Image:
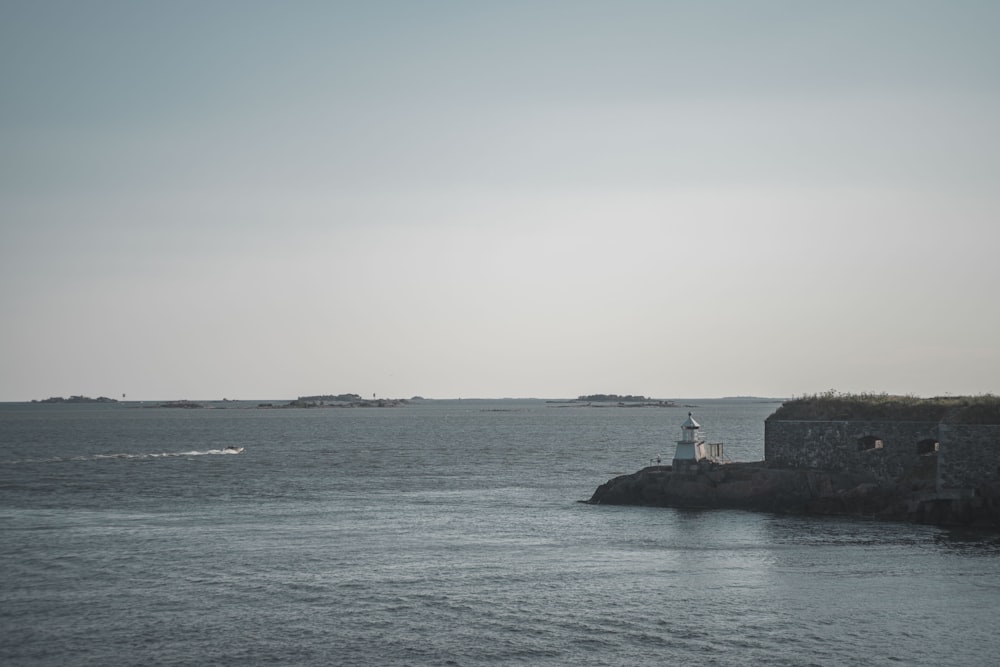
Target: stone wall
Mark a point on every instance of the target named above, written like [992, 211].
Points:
[966, 456]
[970, 455]
[884, 450]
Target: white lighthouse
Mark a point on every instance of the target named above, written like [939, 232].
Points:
[690, 448]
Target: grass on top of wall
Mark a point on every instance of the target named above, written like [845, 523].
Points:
[835, 406]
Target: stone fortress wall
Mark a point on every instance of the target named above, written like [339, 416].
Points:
[960, 456]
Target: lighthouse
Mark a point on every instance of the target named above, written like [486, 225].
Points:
[690, 448]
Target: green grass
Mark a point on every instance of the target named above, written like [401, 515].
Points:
[832, 405]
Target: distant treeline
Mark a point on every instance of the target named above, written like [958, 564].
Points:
[347, 398]
[76, 399]
[612, 397]
[342, 401]
[835, 406]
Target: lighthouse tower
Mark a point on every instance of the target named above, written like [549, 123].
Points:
[690, 448]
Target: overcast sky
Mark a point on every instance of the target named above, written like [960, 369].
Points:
[483, 199]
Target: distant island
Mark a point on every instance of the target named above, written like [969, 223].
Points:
[316, 401]
[612, 397]
[621, 401]
[330, 398]
[76, 399]
[341, 401]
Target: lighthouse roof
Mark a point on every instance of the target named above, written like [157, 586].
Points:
[690, 423]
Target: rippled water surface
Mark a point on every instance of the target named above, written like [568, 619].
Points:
[443, 533]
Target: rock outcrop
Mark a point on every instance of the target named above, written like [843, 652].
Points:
[758, 486]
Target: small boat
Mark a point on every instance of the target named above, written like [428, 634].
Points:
[232, 449]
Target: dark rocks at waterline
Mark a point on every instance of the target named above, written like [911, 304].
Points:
[757, 486]
[374, 403]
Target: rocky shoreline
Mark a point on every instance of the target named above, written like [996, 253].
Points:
[761, 487]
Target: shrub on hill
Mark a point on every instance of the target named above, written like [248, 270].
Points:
[835, 406]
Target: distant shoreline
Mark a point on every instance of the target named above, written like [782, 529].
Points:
[341, 400]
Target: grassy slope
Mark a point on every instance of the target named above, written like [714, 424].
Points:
[831, 405]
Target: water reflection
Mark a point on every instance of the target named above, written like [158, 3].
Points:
[966, 542]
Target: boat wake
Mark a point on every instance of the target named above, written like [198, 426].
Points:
[102, 457]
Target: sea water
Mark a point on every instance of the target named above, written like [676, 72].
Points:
[444, 533]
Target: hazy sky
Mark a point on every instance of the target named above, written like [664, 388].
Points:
[482, 199]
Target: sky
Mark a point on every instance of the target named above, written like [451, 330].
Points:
[552, 198]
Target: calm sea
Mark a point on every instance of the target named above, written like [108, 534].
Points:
[443, 533]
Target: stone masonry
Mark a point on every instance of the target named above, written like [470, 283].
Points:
[961, 456]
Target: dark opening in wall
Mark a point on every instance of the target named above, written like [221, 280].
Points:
[928, 447]
[869, 442]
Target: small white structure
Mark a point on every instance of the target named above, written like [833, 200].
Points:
[690, 448]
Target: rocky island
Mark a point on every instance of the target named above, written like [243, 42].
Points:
[616, 400]
[345, 401]
[76, 399]
[884, 457]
